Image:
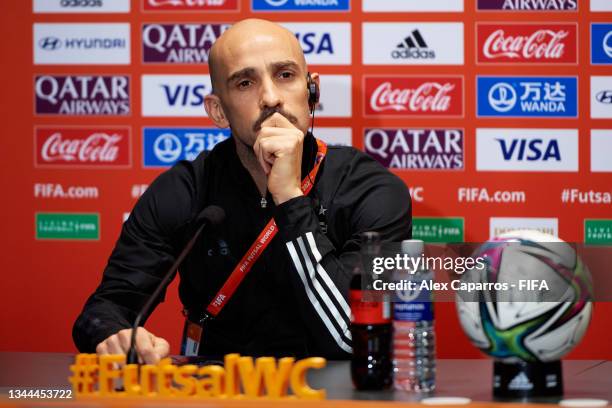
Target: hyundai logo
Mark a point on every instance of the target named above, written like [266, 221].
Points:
[49, 43]
[604, 96]
[502, 97]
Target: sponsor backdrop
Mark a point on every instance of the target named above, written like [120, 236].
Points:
[496, 113]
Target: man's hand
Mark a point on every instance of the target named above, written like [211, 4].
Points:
[278, 149]
[150, 348]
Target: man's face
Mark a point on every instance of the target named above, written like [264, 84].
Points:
[259, 75]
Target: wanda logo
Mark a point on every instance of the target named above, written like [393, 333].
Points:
[190, 5]
[82, 147]
[527, 43]
[414, 96]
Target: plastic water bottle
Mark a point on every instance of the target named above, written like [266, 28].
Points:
[414, 352]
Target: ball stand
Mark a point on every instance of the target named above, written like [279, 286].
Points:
[527, 381]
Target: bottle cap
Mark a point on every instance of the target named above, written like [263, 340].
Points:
[370, 237]
[413, 247]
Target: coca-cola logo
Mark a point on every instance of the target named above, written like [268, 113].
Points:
[517, 43]
[414, 96]
[82, 147]
[428, 97]
[190, 5]
[540, 44]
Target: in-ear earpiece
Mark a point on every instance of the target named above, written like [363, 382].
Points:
[313, 92]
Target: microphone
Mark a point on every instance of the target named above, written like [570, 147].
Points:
[211, 215]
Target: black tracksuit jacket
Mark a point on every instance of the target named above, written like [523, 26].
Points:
[294, 300]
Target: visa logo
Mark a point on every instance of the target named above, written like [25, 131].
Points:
[184, 95]
[174, 95]
[553, 150]
[531, 150]
[323, 43]
[311, 43]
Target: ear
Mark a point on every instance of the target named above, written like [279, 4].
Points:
[213, 107]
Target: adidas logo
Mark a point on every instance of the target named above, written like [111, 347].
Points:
[520, 382]
[413, 46]
[414, 40]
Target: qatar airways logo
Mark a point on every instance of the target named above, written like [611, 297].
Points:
[82, 147]
[82, 95]
[414, 96]
[527, 43]
[190, 5]
[179, 43]
[424, 149]
[528, 5]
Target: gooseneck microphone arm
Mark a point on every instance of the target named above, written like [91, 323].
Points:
[211, 215]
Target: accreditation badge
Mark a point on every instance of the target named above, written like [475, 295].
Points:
[192, 334]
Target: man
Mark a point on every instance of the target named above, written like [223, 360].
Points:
[293, 300]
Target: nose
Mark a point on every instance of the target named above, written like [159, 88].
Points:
[269, 97]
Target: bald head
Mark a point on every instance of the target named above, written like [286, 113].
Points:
[241, 38]
[257, 69]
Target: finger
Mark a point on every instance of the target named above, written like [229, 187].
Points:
[269, 148]
[144, 346]
[114, 346]
[259, 150]
[102, 348]
[278, 120]
[274, 147]
[161, 346]
[281, 136]
[125, 338]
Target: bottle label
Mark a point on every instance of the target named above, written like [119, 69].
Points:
[368, 312]
[413, 305]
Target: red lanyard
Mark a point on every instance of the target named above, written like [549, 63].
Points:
[260, 244]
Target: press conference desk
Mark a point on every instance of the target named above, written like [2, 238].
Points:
[465, 378]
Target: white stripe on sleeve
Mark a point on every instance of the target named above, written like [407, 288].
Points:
[332, 309]
[323, 273]
[315, 303]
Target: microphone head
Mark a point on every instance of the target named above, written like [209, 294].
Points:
[212, 215]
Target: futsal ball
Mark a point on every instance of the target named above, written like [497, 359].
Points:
[512, 319]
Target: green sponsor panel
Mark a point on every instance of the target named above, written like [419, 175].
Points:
[77, 226]
[432, 229]
[598, 232]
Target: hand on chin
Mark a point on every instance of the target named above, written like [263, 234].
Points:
[278, 149]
